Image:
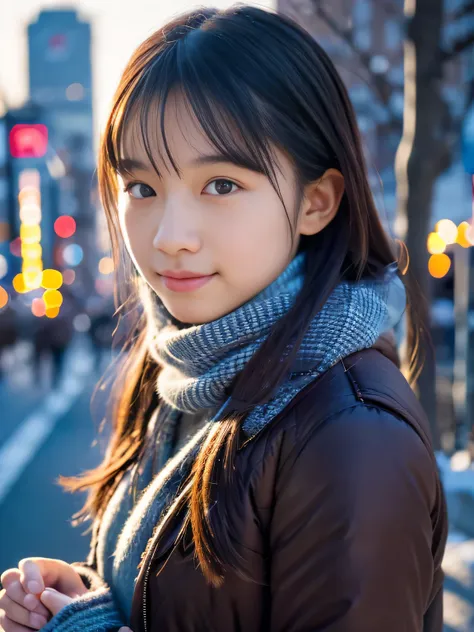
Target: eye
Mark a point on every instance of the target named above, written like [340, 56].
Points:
[222, 187]
[139, 191]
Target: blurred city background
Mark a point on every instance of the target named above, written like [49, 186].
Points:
[409, 68]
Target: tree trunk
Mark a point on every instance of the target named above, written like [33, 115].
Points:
[417, 162]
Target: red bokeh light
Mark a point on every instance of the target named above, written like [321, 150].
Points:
[65, 226]
[15, 247]
[28, 141]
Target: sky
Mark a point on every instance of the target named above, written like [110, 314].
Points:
[115, 35]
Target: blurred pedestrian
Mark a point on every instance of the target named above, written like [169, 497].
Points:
[52, 336]
[101, 313]
[9, 330]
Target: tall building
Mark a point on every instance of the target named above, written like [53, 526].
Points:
[60, 82]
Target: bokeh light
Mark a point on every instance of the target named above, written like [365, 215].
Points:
[69, 276]
[435, 244]
[3, 266]
[19, 283]
[447, 230]
[106, 265]
[3, 297]
[52, 299]
[81, 323]
[464, 237]
[32, 251]
[30, 234]
[52, 279]
[38, 308]
[52, 312]
[15, 247]
[30, 214]
[73, 254]
[65, 226]
[439, 265]
[32, 275]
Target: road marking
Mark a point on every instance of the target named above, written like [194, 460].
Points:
[20, 449]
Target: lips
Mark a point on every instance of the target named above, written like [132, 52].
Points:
[182, 274]
[185, 284]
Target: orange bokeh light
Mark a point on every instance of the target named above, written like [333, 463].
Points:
[3, 297]
[463, 238]
[439, 265]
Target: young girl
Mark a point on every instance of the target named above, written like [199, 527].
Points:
[269, 467]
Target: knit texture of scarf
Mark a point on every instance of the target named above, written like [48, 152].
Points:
[198, 363]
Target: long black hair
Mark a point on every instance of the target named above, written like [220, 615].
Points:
[254, 79]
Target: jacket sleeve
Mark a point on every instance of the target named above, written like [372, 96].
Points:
[351, 532]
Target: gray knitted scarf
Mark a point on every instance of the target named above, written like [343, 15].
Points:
[199, 363]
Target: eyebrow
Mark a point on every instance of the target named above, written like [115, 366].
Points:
[127, 165]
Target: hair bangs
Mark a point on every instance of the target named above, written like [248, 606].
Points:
[212, 94]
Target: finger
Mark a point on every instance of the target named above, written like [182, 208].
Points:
[54, 573]
[30, 602]
[7, 625]
[18, 614]
[31, 577]
[9, 576]
[54, 600]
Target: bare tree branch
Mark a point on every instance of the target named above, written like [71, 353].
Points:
[462, 11]
[383, 88]
[458, 47]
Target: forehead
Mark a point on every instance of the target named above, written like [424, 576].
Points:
[183, 135]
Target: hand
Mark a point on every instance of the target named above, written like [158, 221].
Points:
[20, 606]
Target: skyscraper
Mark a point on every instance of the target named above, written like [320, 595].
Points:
[60, 82]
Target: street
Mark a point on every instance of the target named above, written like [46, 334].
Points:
[46, 433]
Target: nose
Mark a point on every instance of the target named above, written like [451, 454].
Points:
[177, 229]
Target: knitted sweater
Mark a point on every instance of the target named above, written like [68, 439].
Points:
[111, 593]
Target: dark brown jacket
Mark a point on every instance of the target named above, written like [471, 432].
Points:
[339, 515]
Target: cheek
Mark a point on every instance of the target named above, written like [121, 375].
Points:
[133, 234]
[257, 246]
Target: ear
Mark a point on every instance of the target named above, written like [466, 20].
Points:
[321, 202]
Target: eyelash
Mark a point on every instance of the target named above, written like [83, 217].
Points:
[130, 185]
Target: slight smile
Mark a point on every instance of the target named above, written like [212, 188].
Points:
[185, 284]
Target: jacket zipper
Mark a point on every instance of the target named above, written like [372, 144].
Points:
[152, 552]
[145, 583]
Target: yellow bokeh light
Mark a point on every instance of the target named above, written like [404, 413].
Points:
[106, 265]
[32, 278]
[463, 235]
[52, 279]
[52, 312]
[19, 283]
[439, 265]
[52, 299]
[3, 297]
[447, 230]
[30, 234]
[435, 244]
[31, 251]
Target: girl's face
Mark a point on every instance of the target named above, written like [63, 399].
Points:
[217, 220]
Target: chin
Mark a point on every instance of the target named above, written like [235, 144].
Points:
[190, 317]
